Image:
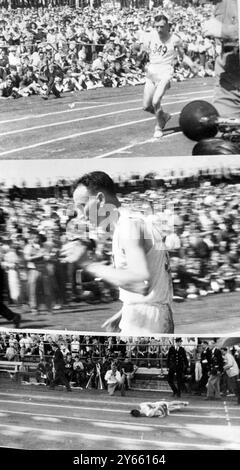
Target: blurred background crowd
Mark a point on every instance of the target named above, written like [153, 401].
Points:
[199, 217]
[87, 358]
[50, 47]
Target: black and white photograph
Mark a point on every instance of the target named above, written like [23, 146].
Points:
[119, 226]
[116, 249]
[135, 77]
[179, 393]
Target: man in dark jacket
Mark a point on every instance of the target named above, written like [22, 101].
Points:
[216, 369]
[59, 367]
[177, 364]
[205, 363]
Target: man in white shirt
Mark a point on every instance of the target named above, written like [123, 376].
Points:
[115, 381]
[161, 46]
[232, 370]
[141, 263]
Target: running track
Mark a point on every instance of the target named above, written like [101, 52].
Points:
[95, 124]
[216, 314]
[33, 418]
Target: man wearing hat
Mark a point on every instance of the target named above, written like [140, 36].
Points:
[59, 367]
[177, 364]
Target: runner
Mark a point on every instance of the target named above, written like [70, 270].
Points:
[158, 409]
[141, 263]
[161, 47]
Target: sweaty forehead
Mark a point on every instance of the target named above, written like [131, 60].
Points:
[161, 23]
[81, 195]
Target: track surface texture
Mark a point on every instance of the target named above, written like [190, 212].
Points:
[216, 314]
[96, 124]
[36, 418]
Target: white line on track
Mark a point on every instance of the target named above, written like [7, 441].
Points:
[150, 424]
[86, 118]
[72, 136]
[100, 437]
[108, 410]
[61, 123]
[104, 423]
[144, 142]
[108, 401]
[85, 108]
[227, 414]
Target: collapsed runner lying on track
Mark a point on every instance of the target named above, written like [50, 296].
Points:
[158, 409]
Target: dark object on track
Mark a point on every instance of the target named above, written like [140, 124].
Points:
[216, 146]
[199, 120]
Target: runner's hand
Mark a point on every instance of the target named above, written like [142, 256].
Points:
[73, 252]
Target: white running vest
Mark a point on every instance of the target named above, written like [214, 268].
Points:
[160, 282]
[162, 53]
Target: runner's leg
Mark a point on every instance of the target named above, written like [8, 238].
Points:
[148, 93]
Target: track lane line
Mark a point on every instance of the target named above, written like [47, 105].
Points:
[111, 410]
[73, 110]
[94, 420]
[95, 400]
[72, 136]
[100, 437]
[61, 123]
[70, 121]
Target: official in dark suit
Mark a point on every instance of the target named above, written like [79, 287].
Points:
[59, 367]
[216, 369]
[205, 363]
[177, 364]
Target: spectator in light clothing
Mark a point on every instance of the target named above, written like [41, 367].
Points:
[231, 368]
[114, 380]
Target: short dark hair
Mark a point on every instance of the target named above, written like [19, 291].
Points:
[159, 17]
[135, 413]
[97, 181]
[178, 340]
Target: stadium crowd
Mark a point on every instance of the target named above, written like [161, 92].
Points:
[54, 48]
[87, 358]
[200, 222]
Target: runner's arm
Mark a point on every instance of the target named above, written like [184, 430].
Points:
[134, 278]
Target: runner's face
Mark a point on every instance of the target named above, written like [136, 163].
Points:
[86, 204]
[162, 27]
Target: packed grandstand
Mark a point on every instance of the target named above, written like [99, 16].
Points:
[89, 357]
[199, 218]
[50, 48]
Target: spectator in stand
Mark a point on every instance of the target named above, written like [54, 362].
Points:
[129, 370]
[115, 381]
[59, 369]
[231, 369]
[216, 369]
[25, 31]
[79, 372]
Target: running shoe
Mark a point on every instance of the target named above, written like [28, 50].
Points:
[158, 133]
